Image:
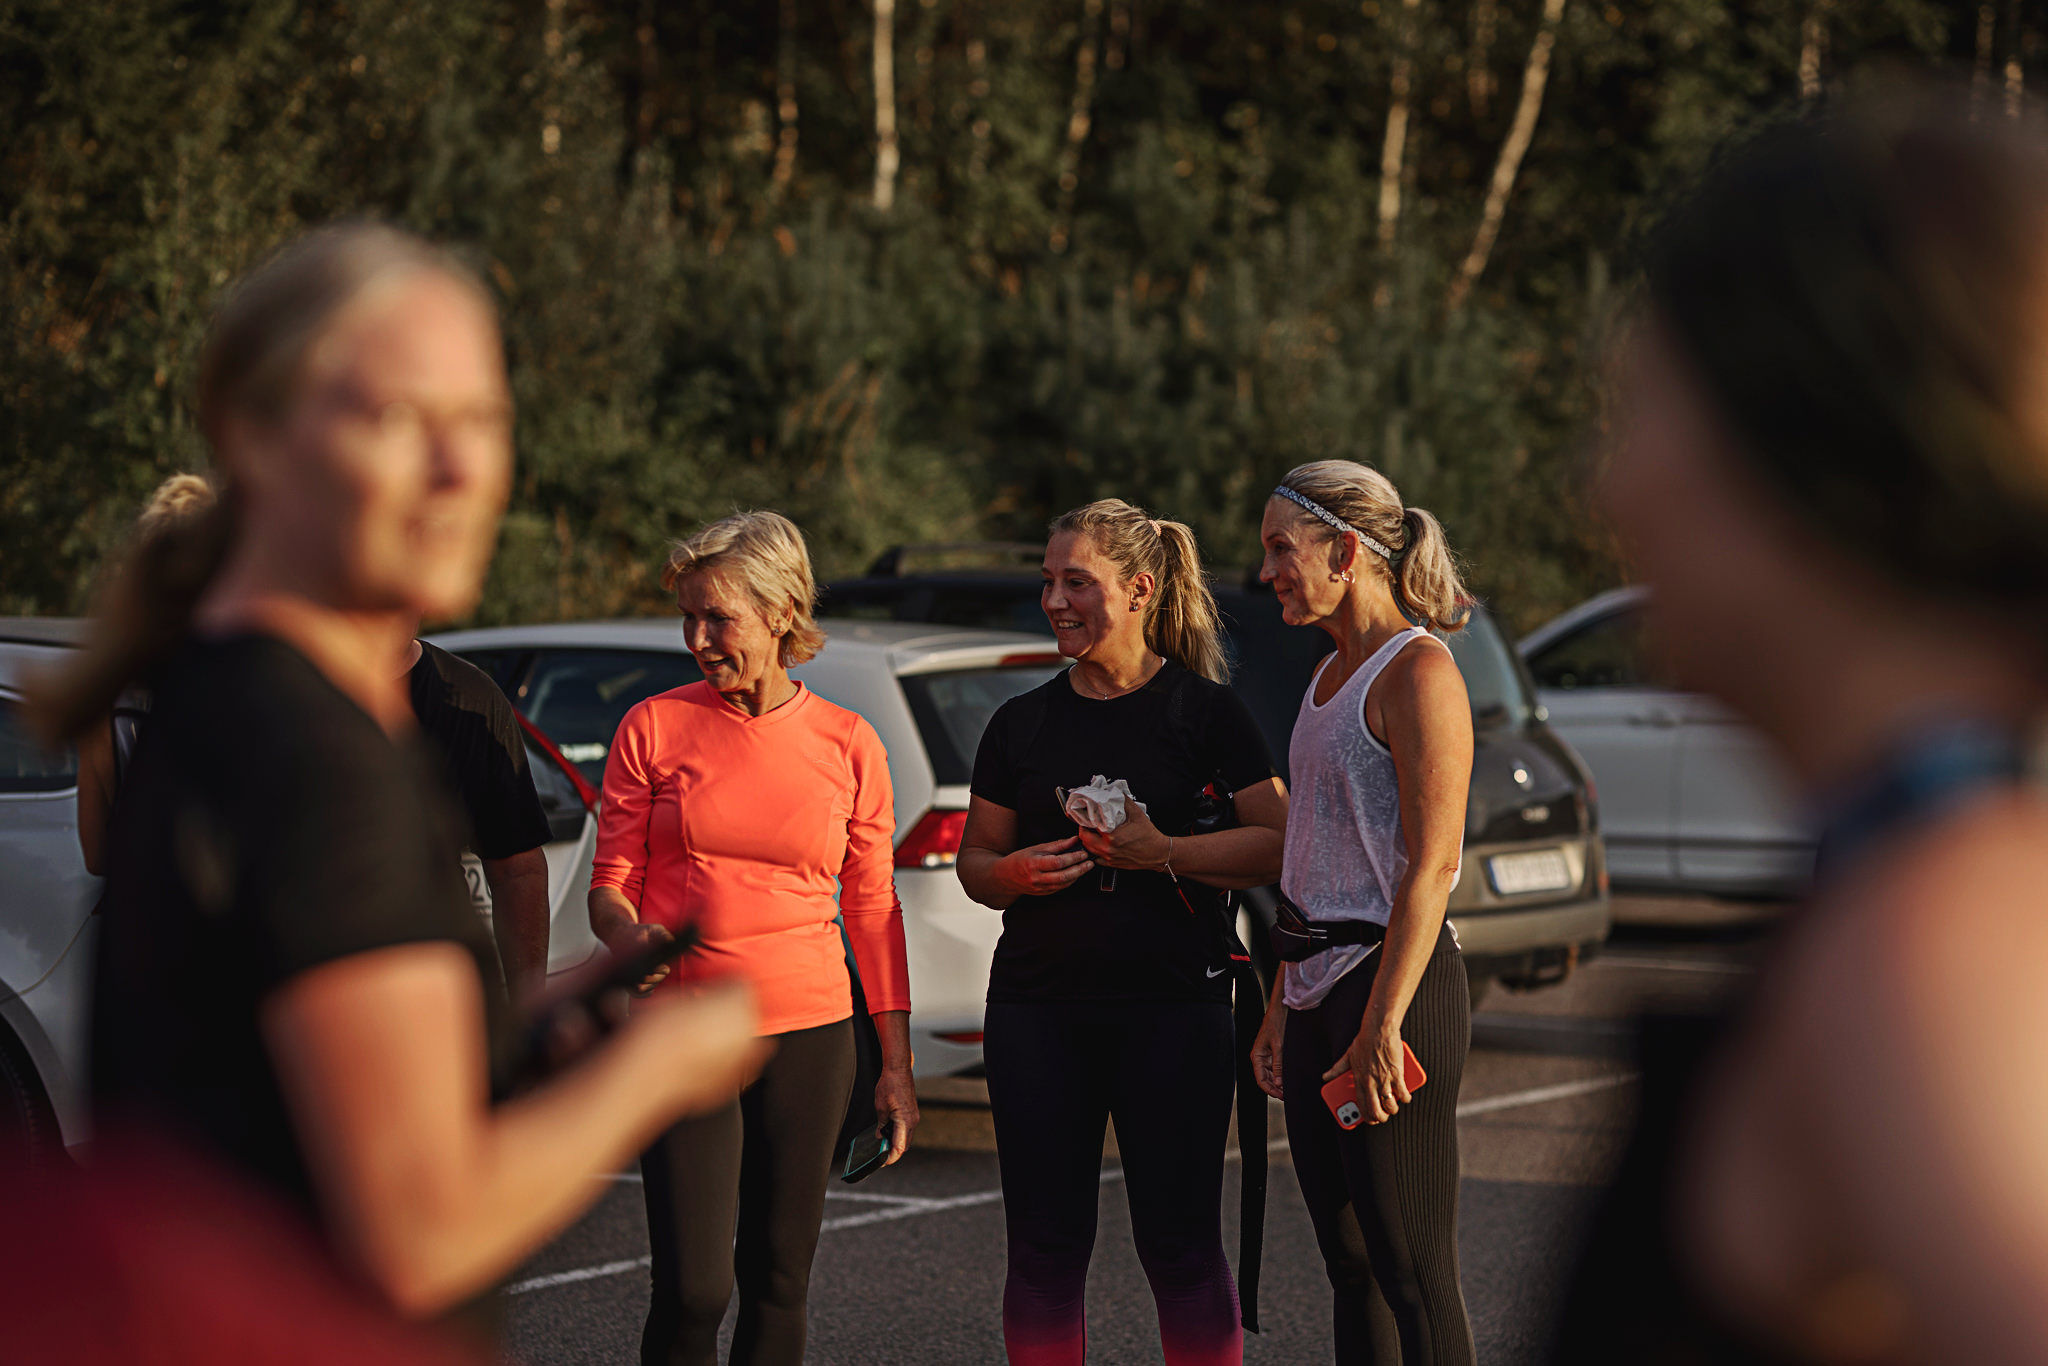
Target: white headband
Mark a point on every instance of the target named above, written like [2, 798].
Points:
[1318, 510]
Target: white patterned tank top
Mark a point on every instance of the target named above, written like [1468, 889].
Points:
[1346, 854]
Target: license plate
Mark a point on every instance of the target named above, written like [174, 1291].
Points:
[479, 885]
[1538, 870]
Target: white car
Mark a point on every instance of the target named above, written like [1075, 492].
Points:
[47, 928]
[927, 690]
[1690, 797]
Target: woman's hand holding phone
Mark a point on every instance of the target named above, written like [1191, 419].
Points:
[638, 937]
[1041, 869]
[1378, 1059]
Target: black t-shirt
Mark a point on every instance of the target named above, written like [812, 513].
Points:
[1169, 740]
[475, 733]
[268, 826]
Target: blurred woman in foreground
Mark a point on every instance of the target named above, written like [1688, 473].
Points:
[1831, 461]
[290, 979]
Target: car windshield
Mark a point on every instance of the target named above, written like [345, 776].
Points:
[953, 708]
[1492, 676]
[577, 697]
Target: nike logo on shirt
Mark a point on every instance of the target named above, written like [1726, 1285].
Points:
[1215, 972]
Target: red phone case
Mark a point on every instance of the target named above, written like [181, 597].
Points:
[1340, 1093]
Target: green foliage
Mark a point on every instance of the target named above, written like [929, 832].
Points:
[1172, 297]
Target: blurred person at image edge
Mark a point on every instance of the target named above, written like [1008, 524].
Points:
[290, 982]
[1830, 460]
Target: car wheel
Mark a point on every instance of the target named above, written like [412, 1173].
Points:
[28, 1126]
[1478, 984]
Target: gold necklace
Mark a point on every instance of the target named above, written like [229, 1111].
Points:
[1092, 695]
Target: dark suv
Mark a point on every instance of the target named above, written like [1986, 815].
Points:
[1532, 902]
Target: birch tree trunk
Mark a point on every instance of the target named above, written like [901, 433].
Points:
[1535, 74]
[1813, 49]
[1394, 147]
[885, 105]
[1079, 117]
[785, 101]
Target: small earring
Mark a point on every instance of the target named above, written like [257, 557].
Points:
[1134, 605]
[1347, 576]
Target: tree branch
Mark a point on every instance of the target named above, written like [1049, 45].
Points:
[1535, 74]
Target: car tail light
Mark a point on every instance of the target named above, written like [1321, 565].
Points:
[971, 1037]
[934, 842]
[1037, 657]
[585, 793]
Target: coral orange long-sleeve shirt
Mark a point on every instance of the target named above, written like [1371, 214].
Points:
[740, 825]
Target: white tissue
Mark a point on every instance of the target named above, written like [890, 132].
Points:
[1101, 805]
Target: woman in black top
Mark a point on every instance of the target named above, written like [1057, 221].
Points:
[1830, 458]
[290, 980]
[1110, 994]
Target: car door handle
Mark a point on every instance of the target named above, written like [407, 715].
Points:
[1663, 720]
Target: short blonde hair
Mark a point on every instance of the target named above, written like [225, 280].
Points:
[765, 552]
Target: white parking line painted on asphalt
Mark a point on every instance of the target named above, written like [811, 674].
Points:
[895, 1207]
[1538, 1095]
[581, 1273]
[1630, 960]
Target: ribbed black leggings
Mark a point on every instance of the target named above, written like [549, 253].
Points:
[1384, 1197]
[760, 1165]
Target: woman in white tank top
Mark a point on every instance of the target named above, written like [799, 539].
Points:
[1380, 762]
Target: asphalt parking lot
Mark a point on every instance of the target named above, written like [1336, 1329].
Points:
[910, 1266]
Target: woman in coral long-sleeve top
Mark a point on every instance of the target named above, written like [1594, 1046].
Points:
[740, 805]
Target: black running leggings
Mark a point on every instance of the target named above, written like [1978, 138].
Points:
[1057, 1073]
[1384, 1197]
[760, 1165]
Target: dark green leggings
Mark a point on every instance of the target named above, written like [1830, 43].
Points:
[738, 1195]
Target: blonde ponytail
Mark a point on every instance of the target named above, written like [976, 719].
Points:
[1183, 625]
[1406, 544]
[142, 612]
[1426, 575]
[1180, 618]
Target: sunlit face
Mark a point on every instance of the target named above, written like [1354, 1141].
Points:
[1086, 601]
[1718, 553]
[1297, 564]
[731, 638]
[381, 486]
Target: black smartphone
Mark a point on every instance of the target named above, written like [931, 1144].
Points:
[597, 1009]
[865, 1156]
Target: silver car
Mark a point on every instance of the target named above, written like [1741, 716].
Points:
[927, 690]
[46, 911]
[1690, 797]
